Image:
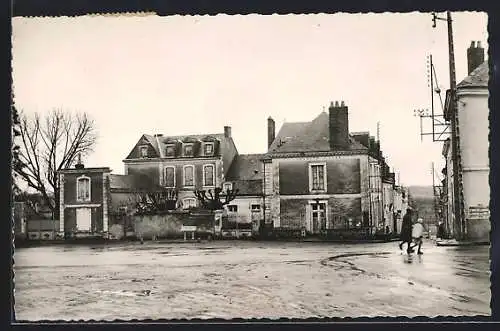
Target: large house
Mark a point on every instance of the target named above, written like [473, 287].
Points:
[472, 108]
[319, 178]
[183, 163]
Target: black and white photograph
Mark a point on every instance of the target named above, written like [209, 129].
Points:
[250, 166]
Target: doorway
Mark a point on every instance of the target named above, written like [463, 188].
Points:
[318, 217]
[83, 219]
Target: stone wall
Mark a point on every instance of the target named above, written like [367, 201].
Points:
[162, 226]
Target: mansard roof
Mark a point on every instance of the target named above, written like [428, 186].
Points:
[311, 136]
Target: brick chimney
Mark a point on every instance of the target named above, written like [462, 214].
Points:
[227, 131]
[338, 126]
[475, 56]
[271, 131]
[79, 164]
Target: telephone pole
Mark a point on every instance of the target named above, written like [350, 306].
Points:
[457, 192]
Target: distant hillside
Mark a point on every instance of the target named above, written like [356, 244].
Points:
[421, 191]
[423, 200]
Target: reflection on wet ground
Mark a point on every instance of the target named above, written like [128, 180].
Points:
[248, 280]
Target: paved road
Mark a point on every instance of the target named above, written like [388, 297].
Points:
[226, 279]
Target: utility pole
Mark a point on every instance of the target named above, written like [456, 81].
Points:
[457, 190]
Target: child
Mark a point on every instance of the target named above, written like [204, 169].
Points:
[417, 235]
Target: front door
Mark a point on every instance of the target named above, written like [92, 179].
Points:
[318, 217]
[83, 219]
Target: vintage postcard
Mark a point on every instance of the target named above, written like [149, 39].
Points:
[251, 166]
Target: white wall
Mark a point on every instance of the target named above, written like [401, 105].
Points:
[474, 144]
[474, 147]
[244, 204]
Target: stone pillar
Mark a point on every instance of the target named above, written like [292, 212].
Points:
[61, 204]
[275, 204]
[185, 235]
[105, 204]
[192, 235]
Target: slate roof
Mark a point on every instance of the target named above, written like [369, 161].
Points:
[478, 78]
[311, 136]
[161, 141]
[130, 183]
[246, 174]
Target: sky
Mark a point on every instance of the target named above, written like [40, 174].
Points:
[195, 74]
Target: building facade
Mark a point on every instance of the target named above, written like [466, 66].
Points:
[473, 111]
[83, 202]
[183, 163]
[320, 179]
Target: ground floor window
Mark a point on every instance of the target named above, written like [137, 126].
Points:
[232, 208]
[189, 203]
[255, 207]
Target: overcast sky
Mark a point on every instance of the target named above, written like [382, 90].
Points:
[185, 75]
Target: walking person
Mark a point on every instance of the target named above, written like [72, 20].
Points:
[417, 234]
[406, 229]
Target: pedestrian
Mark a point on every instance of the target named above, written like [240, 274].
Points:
[417, 235]
[440, 231]
[406, 228]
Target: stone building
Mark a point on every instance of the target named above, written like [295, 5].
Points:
[321, 179]
[83, 201]
[246, 174]
[183, 163]
[472, 107]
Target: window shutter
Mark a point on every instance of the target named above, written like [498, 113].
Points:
[162, 176]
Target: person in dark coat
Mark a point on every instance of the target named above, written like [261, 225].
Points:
[406, 228]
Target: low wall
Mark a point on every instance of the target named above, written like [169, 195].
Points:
[478, 230]
[162, 226]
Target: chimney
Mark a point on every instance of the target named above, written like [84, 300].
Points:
[475, 56]
[338, 126]
[271, 131]
[227, 131]
[79, 164]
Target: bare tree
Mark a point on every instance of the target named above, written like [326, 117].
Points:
[159, 200]
[49, 144]
[213, 200]
[16, 163]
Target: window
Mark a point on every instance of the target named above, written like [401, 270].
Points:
[255, 207]
[317, 177]
[188, 150]
[209, 149]
[232, 208]
[189, 203]
[169, 177]
[83, 189]
[227, 187]
[144, 151]
[189, 175]
[170, 151]
[208, 175]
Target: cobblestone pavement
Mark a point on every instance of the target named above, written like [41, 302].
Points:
[235, 279]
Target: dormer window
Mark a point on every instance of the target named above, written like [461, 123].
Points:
[83, 189]
[170, 151]
[188, 150]
[209, 149]
[144, 151]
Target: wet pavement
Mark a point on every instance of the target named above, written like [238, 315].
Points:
[245, 279]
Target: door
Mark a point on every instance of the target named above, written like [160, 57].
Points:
[318, 217]
[83, 219]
